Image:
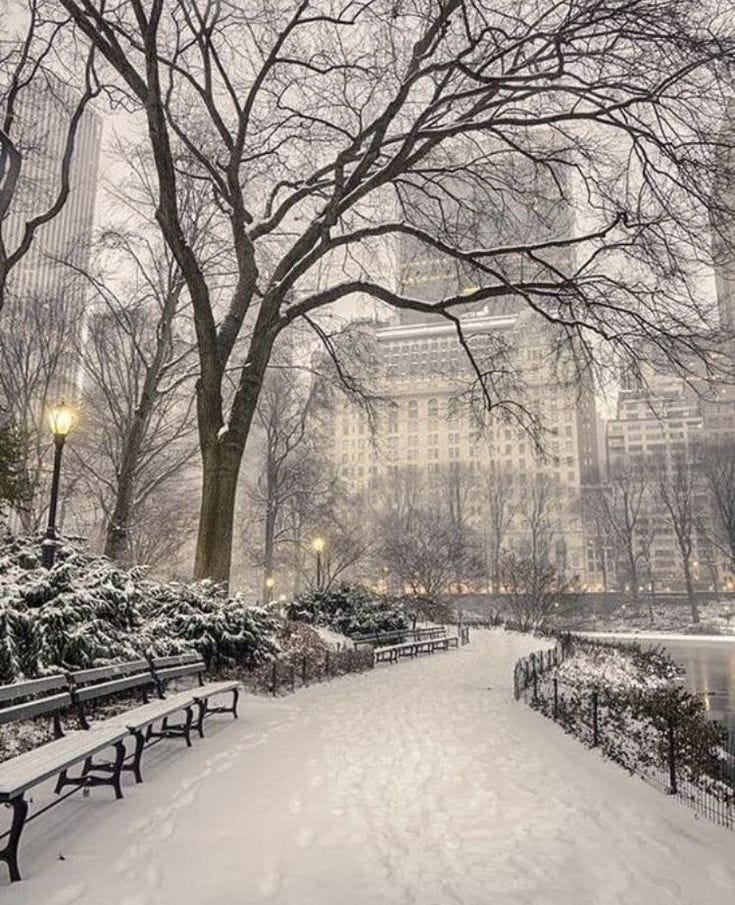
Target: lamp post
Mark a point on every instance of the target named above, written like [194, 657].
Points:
[61, 421]
[269, 583]
[318, 545]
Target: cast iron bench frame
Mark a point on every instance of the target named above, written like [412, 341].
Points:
[394, 652]
[73, 692]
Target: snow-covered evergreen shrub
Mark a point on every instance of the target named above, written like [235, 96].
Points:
[87, 611]
[224, 630]
[350, 610]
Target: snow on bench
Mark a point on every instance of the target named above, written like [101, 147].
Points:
[393, 652]
[76, 692]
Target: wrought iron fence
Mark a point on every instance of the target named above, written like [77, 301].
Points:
[660, 735]
[286, 675]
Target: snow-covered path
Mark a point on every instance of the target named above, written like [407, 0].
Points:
[422, 782]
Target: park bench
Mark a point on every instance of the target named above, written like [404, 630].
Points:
[394, 652]
[399, 637]
[77, 694]
[190, 665]
[50, 696]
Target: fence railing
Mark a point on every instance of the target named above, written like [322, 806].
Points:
[286, 675]
[660, 737]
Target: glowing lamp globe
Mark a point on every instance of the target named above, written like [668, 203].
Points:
[61, 420]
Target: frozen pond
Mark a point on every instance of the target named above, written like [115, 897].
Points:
[709, 664]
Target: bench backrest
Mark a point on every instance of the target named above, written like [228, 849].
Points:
[36, 697]
[178, 666]
[103, 681]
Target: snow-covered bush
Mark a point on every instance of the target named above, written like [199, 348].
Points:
[86, 612]
[350, 610]
[646, 720]
[224, 630]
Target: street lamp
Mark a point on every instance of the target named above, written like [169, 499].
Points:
[61, 420]
[269, 583]
[318, 545]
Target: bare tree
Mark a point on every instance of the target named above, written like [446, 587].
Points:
[457, 486]
[626, 503]
[137, 435]
[598, 529]
[603, 101]
[677, 488]
[36, 359]
[500, 507]
[284, 414]
[424, 549]
[534, 588]
[717, 463]
[535, 518]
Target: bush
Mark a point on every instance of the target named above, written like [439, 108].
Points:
[88, 612]
[351, 610]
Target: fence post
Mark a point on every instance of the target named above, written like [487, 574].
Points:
[274, 678]
[326, 664]
[293, 679]
[595, 728]
[556, 697]
[672, 756]
[303, 670]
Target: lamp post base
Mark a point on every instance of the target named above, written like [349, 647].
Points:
[48, 552]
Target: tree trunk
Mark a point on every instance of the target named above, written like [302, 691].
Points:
[270, 530]
[690, 591]
[118, 525]
[220, 469]
[633, 574]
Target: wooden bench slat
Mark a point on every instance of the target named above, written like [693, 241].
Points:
[92, 692]
[32, 687]
[140, 717]
[176, 660]
[49, 705]
[36, 766]
[213, 688]
[85, 676]
[175, 672]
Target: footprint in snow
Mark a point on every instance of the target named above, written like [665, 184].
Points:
[68, 895]
[269, 883]
[305, 837]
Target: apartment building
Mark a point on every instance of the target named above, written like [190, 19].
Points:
[431, 420]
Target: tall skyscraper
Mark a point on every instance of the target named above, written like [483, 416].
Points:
[40, 132]
[723, 221]
[43, 320]
[42, 289]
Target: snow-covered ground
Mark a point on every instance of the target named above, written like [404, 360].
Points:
[423, 782]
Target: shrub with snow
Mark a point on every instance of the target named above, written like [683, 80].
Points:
[643, 713]
[87, 611]
[349, 610]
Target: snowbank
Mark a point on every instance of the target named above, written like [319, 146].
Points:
[422, 783]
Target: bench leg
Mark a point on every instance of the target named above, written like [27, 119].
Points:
[87, 779]
[60, 782]
[201, 713]
[188, 724]
[117, 768]
[137, 756]
[10, 853]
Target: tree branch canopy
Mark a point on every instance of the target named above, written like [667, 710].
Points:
[558, 154]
